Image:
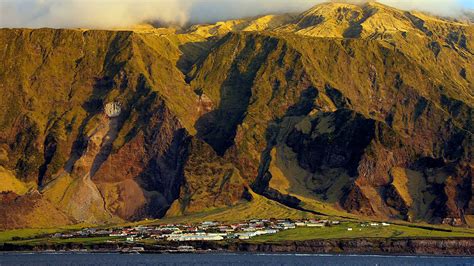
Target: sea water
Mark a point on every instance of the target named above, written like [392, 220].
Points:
[238, 259]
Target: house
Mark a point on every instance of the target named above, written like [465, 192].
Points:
[117, 234]
[245, 236]
[170, 230]
[287, 225]
[315, 224]
[196, 237]
[266, 231]
[208, 224]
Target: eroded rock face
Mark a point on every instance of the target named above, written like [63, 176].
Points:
[335, 140]
[31, 210]
[378, 144]
[386, 175]
[365, 246]
[144, 177]
[209, 182]
[90, 163]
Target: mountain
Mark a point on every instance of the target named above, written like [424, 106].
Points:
[345, 110]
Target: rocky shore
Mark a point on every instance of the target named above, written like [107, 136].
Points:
[451, 247]
[441, 247]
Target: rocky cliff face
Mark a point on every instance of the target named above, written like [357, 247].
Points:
[365, 246]
[57, 138]
[420, 247]
[363, 143]
[343, 109]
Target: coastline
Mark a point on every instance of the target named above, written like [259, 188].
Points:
[366, 246]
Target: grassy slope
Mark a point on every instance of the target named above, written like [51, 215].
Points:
[47, 241]
[8, 235]
[259, 208]
[11, 183]
[340, 231]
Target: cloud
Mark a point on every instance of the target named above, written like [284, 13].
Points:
[212, 10]
[90, 13]
[203, 10]
[449, 8]
[118, 13]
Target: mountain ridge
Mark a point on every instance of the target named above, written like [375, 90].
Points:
[263, 114]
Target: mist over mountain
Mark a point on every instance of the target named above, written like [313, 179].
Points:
[109, 14]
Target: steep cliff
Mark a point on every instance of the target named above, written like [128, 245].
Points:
[56, 137]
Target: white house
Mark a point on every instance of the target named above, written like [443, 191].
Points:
[315, 225]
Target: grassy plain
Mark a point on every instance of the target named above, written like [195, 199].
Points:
[32, 233]
[341, 232]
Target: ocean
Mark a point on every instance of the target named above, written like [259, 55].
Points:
[238, 259]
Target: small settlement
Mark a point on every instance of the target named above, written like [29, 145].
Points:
[205, 231]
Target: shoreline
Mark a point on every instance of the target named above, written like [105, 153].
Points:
[463, 247]
[235, 253]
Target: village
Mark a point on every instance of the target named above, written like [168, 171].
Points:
[205, 231]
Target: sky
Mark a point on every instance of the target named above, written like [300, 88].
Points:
[118, 13]
[468, 3]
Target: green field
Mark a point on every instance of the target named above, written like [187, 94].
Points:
[49, 241]
[31, 233]
[341, 232]
[6, 236]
